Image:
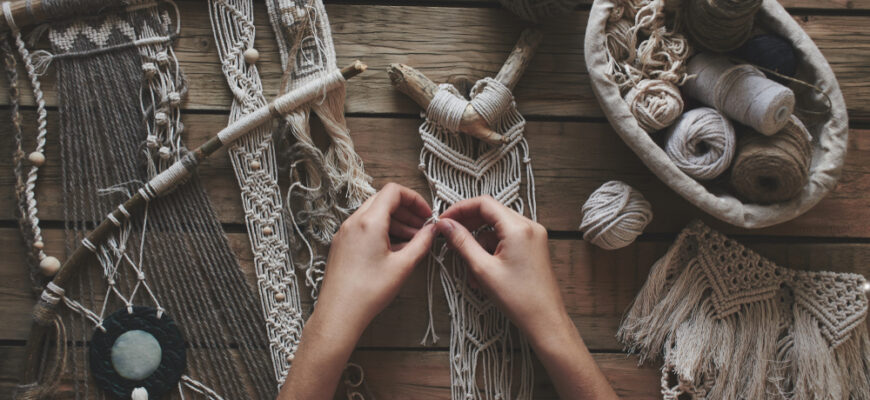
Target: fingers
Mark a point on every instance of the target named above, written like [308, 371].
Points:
[402, 231]
[393, 197]
[409, 218]
[463, 242]
[484, 210]
[412, 252]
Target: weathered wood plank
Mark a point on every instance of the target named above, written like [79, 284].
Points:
[815, 4]
[570, 159]
[597, 285]
[421, 375]
[457, 44]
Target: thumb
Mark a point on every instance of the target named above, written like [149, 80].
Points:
[462, 241]
[414, 250]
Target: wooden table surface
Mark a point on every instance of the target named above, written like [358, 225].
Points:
[573, 150]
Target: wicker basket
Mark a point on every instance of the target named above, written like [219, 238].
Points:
[829, 137]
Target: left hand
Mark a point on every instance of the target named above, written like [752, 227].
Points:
[365, 267]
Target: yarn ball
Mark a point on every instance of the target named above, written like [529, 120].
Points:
[771, 52]
[655, 104]
[536, 10]
[614, 215]
[721, 25]
[773, 169]
[701, 143]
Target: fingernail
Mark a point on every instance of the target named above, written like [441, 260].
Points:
[446, 227]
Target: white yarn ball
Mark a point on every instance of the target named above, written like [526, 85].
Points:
[655, 104]
[139, 393]
[614, 215]
[701, 143]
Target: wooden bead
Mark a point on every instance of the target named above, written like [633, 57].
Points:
[39, 245]
[252, 55]
[255, 165]
[36, 158]
[267, 230]
[49, 266]
[280, 297]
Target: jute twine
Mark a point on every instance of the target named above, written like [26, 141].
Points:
[701, 143]
[741, 92]
[536, 10]
[655, 104]
[614, 215]
[773, 169]
[720, 25]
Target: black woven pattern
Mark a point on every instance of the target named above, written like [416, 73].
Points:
[172, 363]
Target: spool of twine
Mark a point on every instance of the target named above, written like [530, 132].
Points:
[614, 215]
[655, 104]
[741, 92]
[773, 169]
[771, 52]
[536, 10]
[621, 41]
[720, 25]
[701, 143]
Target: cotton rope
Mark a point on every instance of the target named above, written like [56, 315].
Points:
[720, 25]
[614, 215]
[254, 162]
[537, 10]
[741, 92]
[655, 104]
[701, 143]
[460, 167]
[773, 169]
[727, 323]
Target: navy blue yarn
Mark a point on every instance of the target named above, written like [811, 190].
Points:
[769, 51]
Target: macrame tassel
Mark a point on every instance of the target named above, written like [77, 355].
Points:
[729, 324]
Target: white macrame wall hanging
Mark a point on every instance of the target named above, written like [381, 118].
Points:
[474, 148]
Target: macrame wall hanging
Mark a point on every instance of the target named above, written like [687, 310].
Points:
[460, 166]
[167, 282]
[325, 187]
[253, 159]
[730, 324]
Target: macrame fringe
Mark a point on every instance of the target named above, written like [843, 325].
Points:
[762, 341]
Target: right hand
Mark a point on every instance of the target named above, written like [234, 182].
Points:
[518, 274]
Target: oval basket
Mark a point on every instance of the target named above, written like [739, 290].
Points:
[829, 137]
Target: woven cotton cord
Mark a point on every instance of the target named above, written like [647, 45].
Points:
[614, 215]
[48, 265]
[701, 143]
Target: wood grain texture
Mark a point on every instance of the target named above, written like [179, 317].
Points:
[466, 42]
[571, 159]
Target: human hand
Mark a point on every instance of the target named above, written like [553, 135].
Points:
[518, 274]
[365, 268]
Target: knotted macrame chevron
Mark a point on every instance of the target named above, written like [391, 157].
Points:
[459, 167]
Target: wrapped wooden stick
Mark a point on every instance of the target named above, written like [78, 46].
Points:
[421, 89]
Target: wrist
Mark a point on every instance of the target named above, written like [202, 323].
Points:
[554, 335]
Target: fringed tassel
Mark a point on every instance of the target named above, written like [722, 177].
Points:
[343, 164]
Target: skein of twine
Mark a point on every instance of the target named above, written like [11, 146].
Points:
[655, 104]
[614, 215]
[721, 25]
[741, 92]
[701, 143]
[536, 10]
[773, 169]
[621, 42]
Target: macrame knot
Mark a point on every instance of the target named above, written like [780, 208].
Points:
[152, 142]
[174, 98]
[149, 70]
[491, 99]
[161, 118]
[162, 58]
[447, 107]
[614, 215]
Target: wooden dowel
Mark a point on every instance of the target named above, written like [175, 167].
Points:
[133, 205]
[422, 90]
[21, 15]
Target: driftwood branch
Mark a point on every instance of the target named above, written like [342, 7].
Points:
[421, 89]
[134, 204]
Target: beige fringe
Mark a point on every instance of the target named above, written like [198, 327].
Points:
[729, 324]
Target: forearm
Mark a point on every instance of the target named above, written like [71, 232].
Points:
[569, 363]
[322, 355]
